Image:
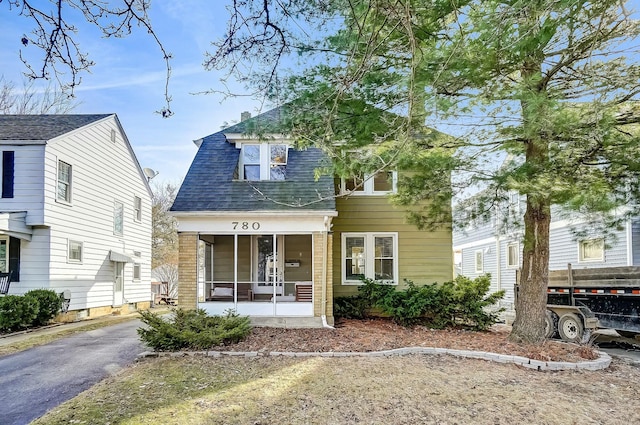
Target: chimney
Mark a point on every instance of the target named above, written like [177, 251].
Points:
[245, 116]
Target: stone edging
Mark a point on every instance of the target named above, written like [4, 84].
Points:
[602, 362]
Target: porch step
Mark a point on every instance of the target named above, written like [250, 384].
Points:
[286, 322]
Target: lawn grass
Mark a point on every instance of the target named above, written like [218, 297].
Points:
[354, 390]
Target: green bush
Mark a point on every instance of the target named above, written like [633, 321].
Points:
[353, 307]
[17, 312]
[192, 329]
[461, 302]
[49, 302]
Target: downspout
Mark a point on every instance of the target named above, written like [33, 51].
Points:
[629, 243]
[325, 256]
[498, 264]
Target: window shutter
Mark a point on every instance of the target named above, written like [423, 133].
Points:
[14, 258]
[7, 174]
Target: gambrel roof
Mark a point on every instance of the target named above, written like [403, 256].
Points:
[43, 127]
[211, 184]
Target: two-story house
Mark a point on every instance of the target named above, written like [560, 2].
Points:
[261, 234]
[75, 211]
[491, 242]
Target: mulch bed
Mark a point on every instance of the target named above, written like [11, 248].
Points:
[383, 334]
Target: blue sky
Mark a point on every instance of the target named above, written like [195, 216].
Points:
[129, 79]
[129, 76]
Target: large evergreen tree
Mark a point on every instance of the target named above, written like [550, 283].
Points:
[549, 83]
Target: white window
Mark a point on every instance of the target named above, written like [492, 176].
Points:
[513, 257]
[591, 250]
[4, 254]
[263, 161]
[64, 182]
[513, 208]
[74, 254]
[137, 208]
[371, 184]
[369, 255]
[136, 271]
[479, 261]
[118, 218]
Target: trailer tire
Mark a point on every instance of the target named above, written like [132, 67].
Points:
[570, 328]
[550, 324]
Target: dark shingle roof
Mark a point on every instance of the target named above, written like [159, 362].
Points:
[210, 185]
[42, 127]
[265, 122]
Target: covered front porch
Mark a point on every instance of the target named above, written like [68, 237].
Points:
[257, 274]
[261, 267]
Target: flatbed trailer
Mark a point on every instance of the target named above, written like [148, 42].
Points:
[610, 294]
[582, 300]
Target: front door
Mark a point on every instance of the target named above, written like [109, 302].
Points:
[118, 283]
[268, 266]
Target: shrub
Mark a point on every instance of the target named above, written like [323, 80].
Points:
[462, 301]
[17, 312]
[192, 329]
[353, 307]
[49, 302]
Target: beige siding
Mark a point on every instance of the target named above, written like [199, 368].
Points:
[423, 256]
[298, 248]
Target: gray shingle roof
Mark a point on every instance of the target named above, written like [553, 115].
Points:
[210, 185]
[42, 127]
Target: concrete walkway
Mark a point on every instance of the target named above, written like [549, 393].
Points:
[41, 378]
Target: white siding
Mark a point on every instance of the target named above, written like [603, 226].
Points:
[102, 172]
[28, 180]
[34, 263]
[563, 249]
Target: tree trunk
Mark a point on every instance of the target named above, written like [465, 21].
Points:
[532, 297]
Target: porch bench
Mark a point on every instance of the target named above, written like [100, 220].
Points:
[224, 292]
[5, 281]
[304, 292]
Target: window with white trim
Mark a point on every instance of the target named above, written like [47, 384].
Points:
[4, 254]
[136, 271]
[513, 257]
[118, 218]
[513, 208]
[137, 208]
[369, 255]
[64, 182]
[591, 250]
[479, 261]
[74, 253]
[371, 184]
[263, 161]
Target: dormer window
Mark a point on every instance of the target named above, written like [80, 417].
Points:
[263, 161]
[378, 184]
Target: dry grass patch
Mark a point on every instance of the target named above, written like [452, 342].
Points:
[377, 390]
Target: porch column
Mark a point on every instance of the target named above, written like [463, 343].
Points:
[322, 270]
[187, 270]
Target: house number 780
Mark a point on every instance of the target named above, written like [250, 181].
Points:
[245, 225]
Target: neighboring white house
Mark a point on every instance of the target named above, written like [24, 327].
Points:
[494, 245]
[75, 211]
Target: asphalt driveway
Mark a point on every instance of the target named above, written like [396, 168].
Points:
[39, 379]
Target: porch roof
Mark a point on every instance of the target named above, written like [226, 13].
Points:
[14, 224]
